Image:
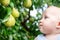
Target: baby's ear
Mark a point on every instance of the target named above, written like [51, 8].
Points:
[58, 25]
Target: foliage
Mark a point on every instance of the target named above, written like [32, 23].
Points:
[26, 26]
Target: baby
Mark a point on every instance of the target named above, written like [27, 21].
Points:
[49, 25]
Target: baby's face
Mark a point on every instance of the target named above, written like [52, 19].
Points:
[47, 24]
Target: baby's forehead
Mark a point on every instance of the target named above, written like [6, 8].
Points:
[52, 10]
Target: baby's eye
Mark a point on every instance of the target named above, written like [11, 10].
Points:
[45, 17]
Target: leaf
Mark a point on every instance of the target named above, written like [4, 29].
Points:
[10, 37]
[8, 12]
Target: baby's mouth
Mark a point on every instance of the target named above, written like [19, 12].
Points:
[41, 25]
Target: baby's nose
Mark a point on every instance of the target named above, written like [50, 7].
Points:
[40, 22]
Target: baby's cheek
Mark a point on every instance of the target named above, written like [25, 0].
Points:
[49, 23]
[48, 30]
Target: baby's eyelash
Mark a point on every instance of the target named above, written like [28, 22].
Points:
[46, 17]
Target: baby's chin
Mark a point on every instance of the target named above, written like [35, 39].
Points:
[43, 31]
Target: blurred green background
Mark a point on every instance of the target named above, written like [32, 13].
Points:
[19, 21]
